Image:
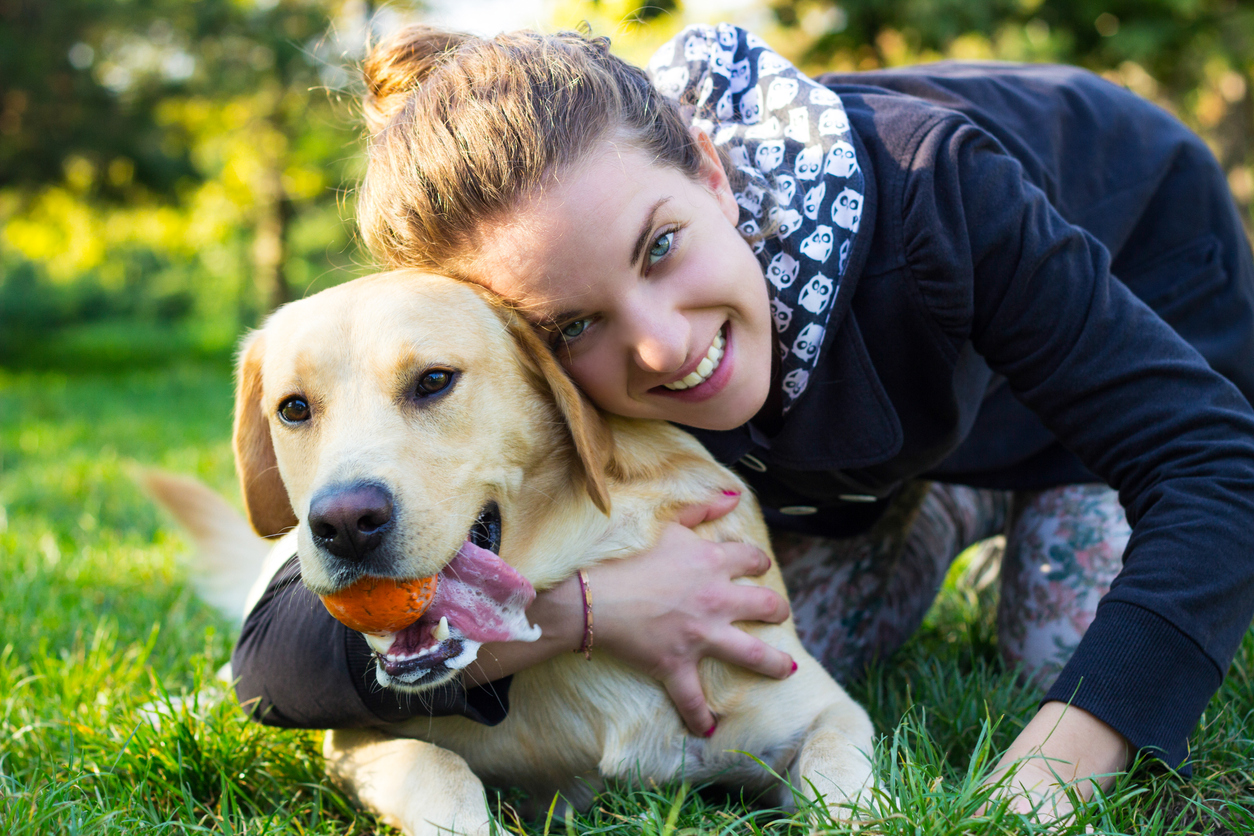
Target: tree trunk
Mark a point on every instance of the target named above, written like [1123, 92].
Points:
[274, 214]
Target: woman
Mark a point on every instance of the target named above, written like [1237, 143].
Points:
[888, 299]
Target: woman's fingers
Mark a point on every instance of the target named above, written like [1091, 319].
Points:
[737, 647]
[693, 515]
[664, 610]
[684, 687]
[747, 602]
[743, 560]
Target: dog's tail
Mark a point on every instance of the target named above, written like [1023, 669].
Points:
[230, 555]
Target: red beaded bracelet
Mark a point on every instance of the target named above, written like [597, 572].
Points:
[586, 647]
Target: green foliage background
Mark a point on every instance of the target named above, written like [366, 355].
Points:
[178, 167]
[170, 171]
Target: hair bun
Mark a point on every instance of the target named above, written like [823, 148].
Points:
[398, 64]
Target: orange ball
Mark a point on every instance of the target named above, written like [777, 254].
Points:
[381, 605]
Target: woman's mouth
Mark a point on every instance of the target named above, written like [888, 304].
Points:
[705, 369]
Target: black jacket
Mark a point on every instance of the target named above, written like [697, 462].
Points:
[987, 343]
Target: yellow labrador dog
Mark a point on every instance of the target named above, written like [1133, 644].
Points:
[403, 425]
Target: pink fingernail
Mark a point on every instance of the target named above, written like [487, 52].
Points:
[794, 667]
[710, 731]
[731, 493]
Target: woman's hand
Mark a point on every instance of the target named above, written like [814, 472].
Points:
[664, 610]
[1063, 746]
[661, 612]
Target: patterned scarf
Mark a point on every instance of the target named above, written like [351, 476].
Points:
[801, 180]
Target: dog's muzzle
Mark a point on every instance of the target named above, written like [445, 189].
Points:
[480, 599]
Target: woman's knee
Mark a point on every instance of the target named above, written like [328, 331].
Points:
[1064, 548]
[858, 599]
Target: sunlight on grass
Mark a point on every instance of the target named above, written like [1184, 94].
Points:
[109, 725]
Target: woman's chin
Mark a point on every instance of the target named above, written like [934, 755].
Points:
[729, 410]
[718, 425]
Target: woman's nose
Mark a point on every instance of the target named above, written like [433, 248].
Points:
[660, 356]
[659, 342]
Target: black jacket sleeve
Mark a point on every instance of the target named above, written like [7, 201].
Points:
[1000, 268]
[297, 667]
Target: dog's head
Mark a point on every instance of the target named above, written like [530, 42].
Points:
[402, 423]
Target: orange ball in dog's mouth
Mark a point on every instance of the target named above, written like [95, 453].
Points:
[381, 605]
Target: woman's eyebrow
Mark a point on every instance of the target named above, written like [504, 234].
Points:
[637, 250]
[552, 321]
[645, 229]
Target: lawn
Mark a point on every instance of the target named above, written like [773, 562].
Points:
[96, 621]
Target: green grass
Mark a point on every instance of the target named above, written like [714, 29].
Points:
[96, 621]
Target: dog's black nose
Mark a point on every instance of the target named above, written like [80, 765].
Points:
[350, 521]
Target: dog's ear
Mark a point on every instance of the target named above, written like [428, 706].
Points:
[269, 509]
[594, 443]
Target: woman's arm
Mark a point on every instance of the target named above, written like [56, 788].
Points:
[660, 612]
[1137, 404]
[1063, 746]
[297, 667]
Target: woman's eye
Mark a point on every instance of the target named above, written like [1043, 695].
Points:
[574, 329]
[433, 382]
[294, 410]
[661, 246]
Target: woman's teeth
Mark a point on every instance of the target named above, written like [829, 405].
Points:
[705, 368]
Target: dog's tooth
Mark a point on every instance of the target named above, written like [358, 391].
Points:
[441, 629]
[379, 642]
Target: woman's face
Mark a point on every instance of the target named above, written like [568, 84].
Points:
[638, 278]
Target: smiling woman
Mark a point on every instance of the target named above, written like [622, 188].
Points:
[912, 275]
[648, 281]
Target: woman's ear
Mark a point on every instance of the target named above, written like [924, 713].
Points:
[713, 175]
[594, 444]
[265, 497]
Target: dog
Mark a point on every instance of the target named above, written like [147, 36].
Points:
[431, 411]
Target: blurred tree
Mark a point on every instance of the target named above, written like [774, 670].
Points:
[266, 62]
[160, 158]
[1195, 57]
[52, 106]
[164, 126]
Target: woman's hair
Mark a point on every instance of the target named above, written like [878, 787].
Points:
[462, 128]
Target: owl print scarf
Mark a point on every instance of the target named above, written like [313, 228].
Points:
[800, 178]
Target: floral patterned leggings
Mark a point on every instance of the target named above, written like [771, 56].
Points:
[858, 599]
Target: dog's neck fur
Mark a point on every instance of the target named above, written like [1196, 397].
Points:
[553, 501]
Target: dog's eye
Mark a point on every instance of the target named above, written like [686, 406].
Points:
[433, 382]
[294, 410]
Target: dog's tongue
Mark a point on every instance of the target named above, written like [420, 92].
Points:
[485, 598]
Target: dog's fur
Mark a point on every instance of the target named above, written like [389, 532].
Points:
[574, 488]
